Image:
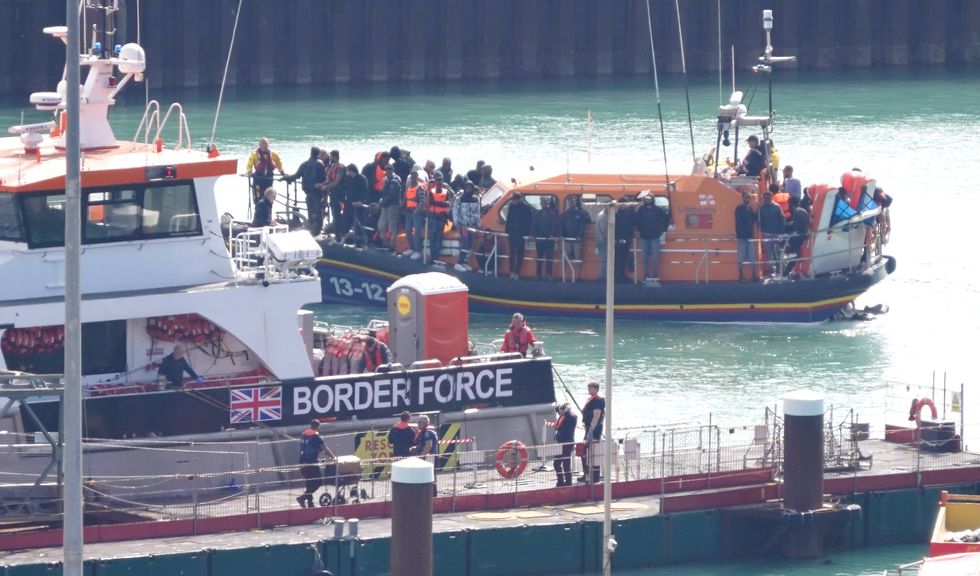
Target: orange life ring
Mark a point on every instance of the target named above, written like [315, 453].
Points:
[916, 412]
[514, 452]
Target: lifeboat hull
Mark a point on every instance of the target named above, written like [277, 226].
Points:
[361, 276]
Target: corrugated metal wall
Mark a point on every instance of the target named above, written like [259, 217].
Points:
[301, 42]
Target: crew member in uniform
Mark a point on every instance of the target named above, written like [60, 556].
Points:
[375, 354]
[401, 436]
[593, 414]
[518, 337]
[173, 366]
[565, 435]
[427, 444]
[311, 445]
[261, 166]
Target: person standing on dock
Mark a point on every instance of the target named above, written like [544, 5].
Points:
[593, 414]
[518, 337]
[173, 366]
[565, 435]
[311, 445]
[261, 166]
[401, 437]
[746, 222]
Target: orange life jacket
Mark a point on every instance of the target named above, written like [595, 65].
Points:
[438, 202]
[372, 359]
[412, 197]
[263, 163]
[782, 198]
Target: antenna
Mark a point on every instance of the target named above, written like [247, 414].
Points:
[656, 84]
[687, 93]
[721, 67]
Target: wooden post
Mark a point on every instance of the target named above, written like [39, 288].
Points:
[411, 517]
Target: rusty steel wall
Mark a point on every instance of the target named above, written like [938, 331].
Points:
[320, 42]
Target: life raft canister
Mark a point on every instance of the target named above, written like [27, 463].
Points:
[511, 459]
[915, 413]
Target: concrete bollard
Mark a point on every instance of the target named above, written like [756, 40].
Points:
[411, 517]
[338, 528]
[803, 469]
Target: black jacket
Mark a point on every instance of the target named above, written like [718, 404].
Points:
[312, 172]
[544, 223]
[519, 218]
[651, 221]
[565, 432]
[573, 222]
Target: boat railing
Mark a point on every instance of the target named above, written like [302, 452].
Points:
[182, 129]
[698, 250]
[250, 256]
[150, 119]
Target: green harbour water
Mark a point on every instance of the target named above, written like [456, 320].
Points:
[914, 131]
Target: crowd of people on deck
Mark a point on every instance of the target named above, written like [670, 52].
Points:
[392, 194]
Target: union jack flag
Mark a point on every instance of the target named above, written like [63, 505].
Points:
[255, 404]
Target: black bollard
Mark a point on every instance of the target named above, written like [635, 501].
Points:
[411, 517]
[803, 471]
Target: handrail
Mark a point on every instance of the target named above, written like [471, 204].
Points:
[148, 120]
[181, 126]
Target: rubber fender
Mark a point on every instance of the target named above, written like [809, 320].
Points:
[890, 264]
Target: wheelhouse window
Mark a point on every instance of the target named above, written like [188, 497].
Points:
[10, 227]
[44, 215]
[110, 214]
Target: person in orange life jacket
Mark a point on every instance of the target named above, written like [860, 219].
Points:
[374, 172]
[426, 440]
[311, 445]
[437, 211]
[401, 436]
[263, 209]
[410, 200]
[375, 354]
[593, 414]
[173, 366]
[518, 337]
[261, 166]
[565, 435]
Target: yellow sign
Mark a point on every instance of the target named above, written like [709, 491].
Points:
[404, 304]
[957, 402]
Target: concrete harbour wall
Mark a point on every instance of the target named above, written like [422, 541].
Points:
[323, 42]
